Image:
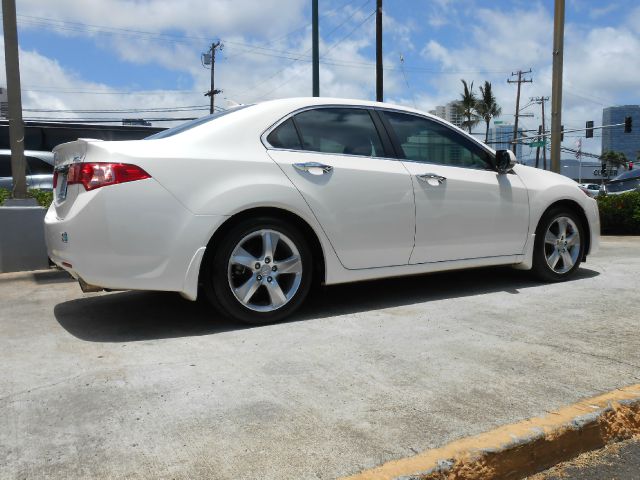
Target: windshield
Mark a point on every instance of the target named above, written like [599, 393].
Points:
[183, 127]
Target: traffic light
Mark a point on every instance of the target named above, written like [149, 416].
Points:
[627, 124]
[589, 131]
[630, 165]
[562, 133]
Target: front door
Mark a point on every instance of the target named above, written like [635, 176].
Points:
[464, 208]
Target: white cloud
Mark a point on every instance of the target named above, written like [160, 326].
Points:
[598, 65]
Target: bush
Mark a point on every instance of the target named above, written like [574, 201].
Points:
[4, 194]
[43, 197]
[620, 214]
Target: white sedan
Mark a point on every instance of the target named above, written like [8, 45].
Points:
[249, 206]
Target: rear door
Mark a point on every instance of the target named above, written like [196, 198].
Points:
[336, 158]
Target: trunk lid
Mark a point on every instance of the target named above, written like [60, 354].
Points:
[64, 156]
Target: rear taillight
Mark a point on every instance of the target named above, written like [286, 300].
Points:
[95, 175]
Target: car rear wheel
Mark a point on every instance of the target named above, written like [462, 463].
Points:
[261, 271]
[559, 245]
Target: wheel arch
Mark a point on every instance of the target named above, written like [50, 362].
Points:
[319, 264]
[578, 210]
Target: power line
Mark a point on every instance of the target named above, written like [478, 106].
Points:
[124, 110]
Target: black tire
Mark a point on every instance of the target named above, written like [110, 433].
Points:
[541, 269]
[216, 281]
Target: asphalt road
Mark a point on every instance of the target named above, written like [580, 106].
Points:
[620, 461]
[148, 385]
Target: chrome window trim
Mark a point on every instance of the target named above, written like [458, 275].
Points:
[277, 123]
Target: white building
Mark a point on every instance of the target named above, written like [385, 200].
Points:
[449, 112]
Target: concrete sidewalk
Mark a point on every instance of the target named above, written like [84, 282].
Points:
[148, 385]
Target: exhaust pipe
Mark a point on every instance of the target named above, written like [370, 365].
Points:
[86, 288]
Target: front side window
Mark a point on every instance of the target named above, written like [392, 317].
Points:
[349, 131]
[423, 140]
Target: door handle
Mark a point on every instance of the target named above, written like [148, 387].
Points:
[313, 166]
[431, 178]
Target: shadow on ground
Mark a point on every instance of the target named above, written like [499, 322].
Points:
[134, 316]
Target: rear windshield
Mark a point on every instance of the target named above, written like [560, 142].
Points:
[183, 127]
[623, 185]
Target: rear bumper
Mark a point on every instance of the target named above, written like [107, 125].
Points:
[130, 236]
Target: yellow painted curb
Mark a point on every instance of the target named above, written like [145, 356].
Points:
[521, 449]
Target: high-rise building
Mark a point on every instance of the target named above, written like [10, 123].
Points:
[4, 103]
[501, 136]
[614, 139]
[449, 112]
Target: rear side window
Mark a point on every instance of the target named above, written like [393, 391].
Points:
[5, 165]
[423, 140]
[285, 136]
[39, 167]
[349, 131]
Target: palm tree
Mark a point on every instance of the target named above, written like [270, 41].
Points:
[619, 159]
[487, 107]
[467, 106]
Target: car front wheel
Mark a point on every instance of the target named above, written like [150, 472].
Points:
[261, 271]
[559, 245]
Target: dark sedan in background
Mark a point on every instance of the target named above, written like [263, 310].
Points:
[625, 182]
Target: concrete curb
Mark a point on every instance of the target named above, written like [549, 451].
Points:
[521, 449]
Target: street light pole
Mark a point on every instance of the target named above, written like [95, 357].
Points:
[379, 71]
[556, 86]
[16, 127]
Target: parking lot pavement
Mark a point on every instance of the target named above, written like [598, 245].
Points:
[148, 385]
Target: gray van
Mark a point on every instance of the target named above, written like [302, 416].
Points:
[39, 169]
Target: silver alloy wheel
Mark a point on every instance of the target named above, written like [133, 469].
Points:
[562, 244]
[265, 270]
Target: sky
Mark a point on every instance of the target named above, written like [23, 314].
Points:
[82, 58]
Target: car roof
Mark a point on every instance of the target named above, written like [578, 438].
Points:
[301, 102]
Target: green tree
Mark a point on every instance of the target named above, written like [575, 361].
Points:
[467, 106]
[487, 107]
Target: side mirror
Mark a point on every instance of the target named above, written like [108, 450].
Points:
[505, 160]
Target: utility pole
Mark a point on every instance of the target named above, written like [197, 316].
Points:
[379, 87]
[210, 59]
[519, 81]
[16, 127]
[316, 52]
[541, 101]
[556, 85]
